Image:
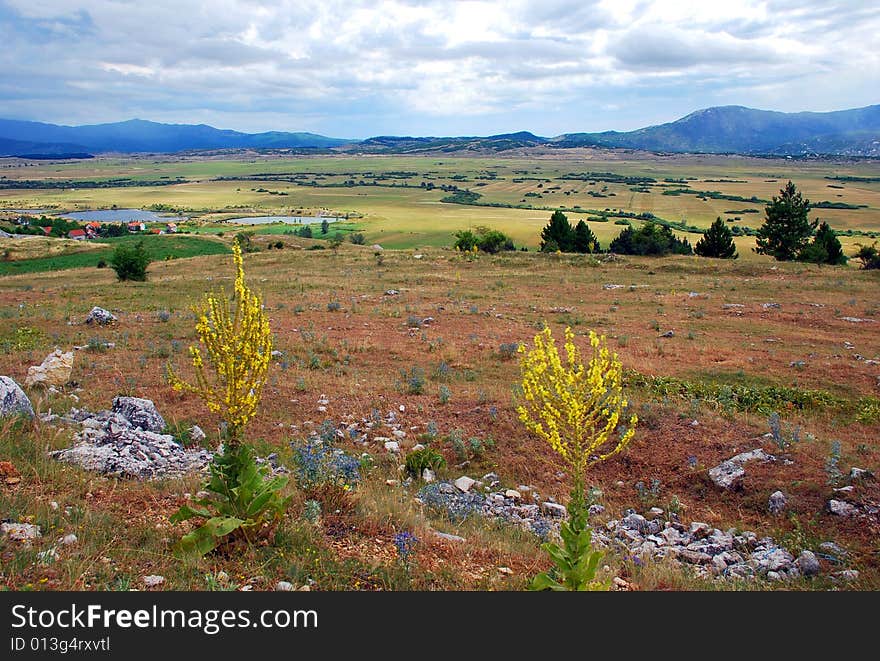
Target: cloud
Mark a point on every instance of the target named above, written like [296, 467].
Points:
[356, 68]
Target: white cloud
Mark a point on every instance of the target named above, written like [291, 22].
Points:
[316, 64]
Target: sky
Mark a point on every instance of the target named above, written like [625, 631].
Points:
[421, 67]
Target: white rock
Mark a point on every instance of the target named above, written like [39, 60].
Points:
[417, 447]
[392, 446]
[222, 577]
[464, 483]
[69, 540]
[55, 370]
[283, 586]
[513, 493]
[20, 532]
[448, 537]
[428, 475]
[398, 433]
[196, 434]
[841, 508]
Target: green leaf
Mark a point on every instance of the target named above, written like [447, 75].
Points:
[186, 512]
[543, 581]
[222, 526]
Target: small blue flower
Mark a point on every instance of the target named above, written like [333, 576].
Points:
[405, 542]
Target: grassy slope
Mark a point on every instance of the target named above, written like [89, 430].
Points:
[159, 248]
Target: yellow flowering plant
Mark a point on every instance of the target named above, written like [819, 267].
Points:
[243, 499]
[577, 410]
[238, 343]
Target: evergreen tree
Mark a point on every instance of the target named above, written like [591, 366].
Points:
[650, 239]
[717, 241]
[825, 248]
[787, 229]
[584, 239]
[559, 232]
[325, 226]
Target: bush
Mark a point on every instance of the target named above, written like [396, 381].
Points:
[130, 262]
[869, 256]
[102, 264]
[357, 238]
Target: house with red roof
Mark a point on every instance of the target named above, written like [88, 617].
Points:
[77, 235]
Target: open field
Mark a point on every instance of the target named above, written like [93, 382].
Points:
[399, 198]
[341, 336]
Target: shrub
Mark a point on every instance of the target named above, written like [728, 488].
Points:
[444, 393]
[869, 256]
[357, 238]
[102, 264]
[130, 261]
[575, 409]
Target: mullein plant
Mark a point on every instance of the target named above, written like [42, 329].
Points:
[576, 409]
[244, 500]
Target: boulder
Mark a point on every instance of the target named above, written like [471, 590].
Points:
[13, 401]
[20, 532]
[55, 370]
[140, 413]
[728, 474]
[100, 316]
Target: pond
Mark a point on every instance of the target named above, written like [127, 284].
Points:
[119, 216]
[288, 220]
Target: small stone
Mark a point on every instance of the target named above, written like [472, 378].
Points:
[619, 583]
[513, 493]
[856, 474]
[283, 586]
[417, 447]
[305, 588]
[669, 333]
[196, 434]
[848, 575]
[401, 408]
[655, 512]
[777, 503]
[53, 506]
[448, 537]
[700, 529]
[635, 522]
[841, 508]
[771, 306]
[507, 571]
[392, 447]
[773, 576]
[398, 433]
[391, 292]
[69, 540]
[222, 577]
[596, 510]
[55, 370]
[464, 483]
[554, 510]
[808, 563]
[428, 475]
[152, 580]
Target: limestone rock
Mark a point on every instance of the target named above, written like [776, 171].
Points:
[152, 580]
[841, 508]
[100, 316]
[140, 413]
[464, 483]
[20, 532]
[777, 503]
[55, 370]
[13, 401]
[808, 563]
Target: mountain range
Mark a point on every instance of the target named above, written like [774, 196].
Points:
[717, 130]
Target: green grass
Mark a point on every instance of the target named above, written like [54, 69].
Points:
[159, 247]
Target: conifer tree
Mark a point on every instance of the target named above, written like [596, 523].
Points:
[559, 232]
[787, 229]
[584, 239]
[717, 241]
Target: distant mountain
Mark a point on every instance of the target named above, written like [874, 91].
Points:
[137, 135]
[740, 130]
[411, 145]
[720, 130]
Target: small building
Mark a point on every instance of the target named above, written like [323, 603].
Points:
[46, 230]
[136, 226]
[93, 228]
[77, 235]
[171, 228]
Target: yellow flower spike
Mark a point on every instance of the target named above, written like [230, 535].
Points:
[574, 408]
[238, 342]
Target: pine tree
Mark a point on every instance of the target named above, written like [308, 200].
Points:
[584, 239]
[717, 241]
[787, 229]
[325, 226]
[825, 248]
[559, 232]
